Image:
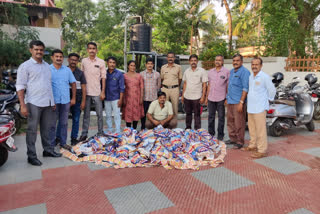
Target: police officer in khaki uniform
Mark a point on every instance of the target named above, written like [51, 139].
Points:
[171, 76]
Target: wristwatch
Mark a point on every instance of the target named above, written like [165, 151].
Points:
[241, 101]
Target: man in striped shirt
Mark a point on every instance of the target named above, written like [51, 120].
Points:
[152, 83]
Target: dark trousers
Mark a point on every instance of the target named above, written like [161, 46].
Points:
[76, 112]
[146, 105]
[62, 111]
[134, 124]
[213, 108]
[236, 123]
[192, 106]
[46, 117]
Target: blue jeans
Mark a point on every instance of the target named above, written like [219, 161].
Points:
[112, 107]
[62, 111]
[75, 111]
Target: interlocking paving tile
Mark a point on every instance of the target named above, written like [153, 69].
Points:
[138, 198]
[93, 166]
[301, 211]
[275, 139]
[313, 151]
[18, 172]
[34, 209]
[282, 165]
[301, 130]
[222, 179]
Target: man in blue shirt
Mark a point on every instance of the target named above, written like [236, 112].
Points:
[62, 77]
[261, 90]
[236, 97]
[114, 95]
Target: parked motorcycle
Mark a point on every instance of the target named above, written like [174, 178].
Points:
[9, 101]
[314, 92]
[7, 129]
[295, 109]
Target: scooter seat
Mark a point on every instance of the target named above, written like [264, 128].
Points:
[5, 91]
[285, 102]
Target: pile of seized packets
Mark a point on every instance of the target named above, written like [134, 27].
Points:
[170, 148]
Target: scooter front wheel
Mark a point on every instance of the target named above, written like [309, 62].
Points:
[3, 155]
[275, 129]
[310, 126]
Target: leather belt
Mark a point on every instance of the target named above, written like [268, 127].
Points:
[170, 87]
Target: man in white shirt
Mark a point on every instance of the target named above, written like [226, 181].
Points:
[261, 90]
[194, 91]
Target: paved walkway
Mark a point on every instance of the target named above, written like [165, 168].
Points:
[287, 181]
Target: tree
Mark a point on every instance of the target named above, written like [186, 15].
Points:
[14, 46]
[77, 24]
[213, 30]
[169, 28]
[226, 5]
[199, 19]
[143, 8]
[246, 22]
[288, 25]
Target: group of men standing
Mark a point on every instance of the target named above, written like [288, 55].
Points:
[48, 92]
[243, 94]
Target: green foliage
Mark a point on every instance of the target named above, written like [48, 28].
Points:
[214, 48]
[14, 47]
[280, 23]
[289, 26]
[245, 25]
[170, 28]
[77, 24]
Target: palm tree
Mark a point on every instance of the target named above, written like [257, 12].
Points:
[199, 20]
[225, 3]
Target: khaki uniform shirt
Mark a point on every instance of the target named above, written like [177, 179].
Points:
[171, 75]
[194, 81]
[159, 113]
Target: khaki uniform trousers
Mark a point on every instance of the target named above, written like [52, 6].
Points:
[258, 131]
[173, 97]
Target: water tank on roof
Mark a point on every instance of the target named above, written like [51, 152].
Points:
[140, 38]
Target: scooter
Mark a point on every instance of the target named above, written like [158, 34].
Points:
[7, 129]
[315, 96]
[9, 103]
[284, 114]
[314, 92]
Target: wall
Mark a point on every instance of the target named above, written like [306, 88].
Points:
[51, 37]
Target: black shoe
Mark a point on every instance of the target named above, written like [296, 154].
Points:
[74, 141]
[51, 154]
[34, 161]
[58, 140]
[66, 146]
[82, 138]
[237, 146]
[229, 142]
